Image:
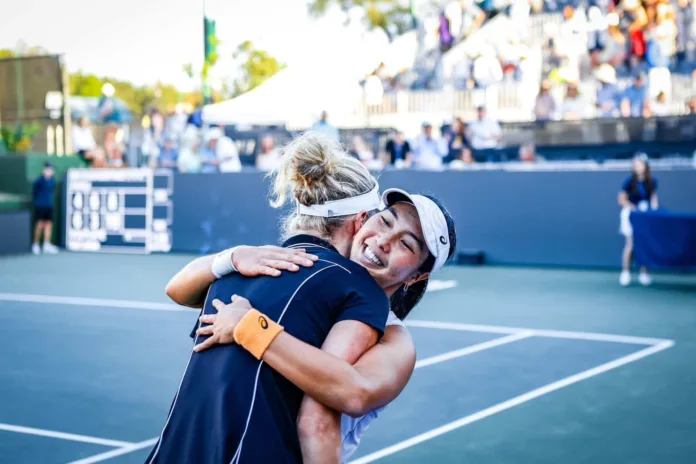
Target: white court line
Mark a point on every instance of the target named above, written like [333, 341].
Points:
[63, 436]
[599, 337]
[153, 306]
[530, 395]
[117, 452]
[100, 302]
[472, 349]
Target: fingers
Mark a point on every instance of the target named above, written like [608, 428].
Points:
[269, 271]
[280, 264]
[212, 341]
[207, 318]
[217, 304]
[304, 259]
[207, 330]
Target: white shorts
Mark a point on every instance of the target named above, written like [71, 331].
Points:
[625, 222]
[625, 227]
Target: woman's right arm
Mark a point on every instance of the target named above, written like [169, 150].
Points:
[190, 285]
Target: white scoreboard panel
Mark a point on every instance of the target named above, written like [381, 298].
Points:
[119, 210]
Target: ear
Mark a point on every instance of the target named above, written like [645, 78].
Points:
[417, 278]
[359, 220]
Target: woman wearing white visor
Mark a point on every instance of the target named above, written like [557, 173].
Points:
[347, 398]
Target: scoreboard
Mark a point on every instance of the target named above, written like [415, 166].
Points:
[119, 210]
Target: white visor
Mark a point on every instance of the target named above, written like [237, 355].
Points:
[366, 202]
[433, 222]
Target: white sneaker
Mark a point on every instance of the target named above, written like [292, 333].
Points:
[625, 278]
[644, 279]
[36, 249]
[50, 249]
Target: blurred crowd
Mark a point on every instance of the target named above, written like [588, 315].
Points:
[626, 51]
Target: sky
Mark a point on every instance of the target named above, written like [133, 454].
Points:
[144, 41]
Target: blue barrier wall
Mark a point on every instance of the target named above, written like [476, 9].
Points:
[532, 218]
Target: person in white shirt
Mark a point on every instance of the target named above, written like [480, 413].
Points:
[428, 151]
[484, 132]
[268, 157]
[225, 149]
[84, 144]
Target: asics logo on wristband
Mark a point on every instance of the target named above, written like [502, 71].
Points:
[263, 322]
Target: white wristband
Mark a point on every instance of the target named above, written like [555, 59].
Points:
[222, 263]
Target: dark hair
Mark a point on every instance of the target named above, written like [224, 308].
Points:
[406, 298]
[649, 184]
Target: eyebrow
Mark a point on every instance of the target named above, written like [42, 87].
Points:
[396, 216]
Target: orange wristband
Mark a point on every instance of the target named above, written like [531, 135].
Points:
[255, 332]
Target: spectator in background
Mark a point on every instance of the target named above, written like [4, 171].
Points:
[457, 141]
[227, 152]
[189, 158]
[153, 124]
[84, 144]
[210, 162]
[545, 106]
[42, 195]
[429, 151]
[399, 151]
[528, 154]
[614, 51]
[659, 77]
[267, 158]
[168, 157]
[485, 132]
[684, 17]
[323, 126]
[660, 107]
[691, 106]
[635, 102]
[465, 161]
[573, 106]
[608, 94]
[361, 150]
[633, 19]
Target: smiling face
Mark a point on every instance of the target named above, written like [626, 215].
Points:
[390, 245]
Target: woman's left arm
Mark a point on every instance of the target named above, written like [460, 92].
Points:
[654, 202]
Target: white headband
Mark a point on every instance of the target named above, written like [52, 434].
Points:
[366, 202]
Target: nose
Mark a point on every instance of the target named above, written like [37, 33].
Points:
[383, 243]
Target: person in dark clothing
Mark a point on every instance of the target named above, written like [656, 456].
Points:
[42, 198]
[399, 151]
[457, 141]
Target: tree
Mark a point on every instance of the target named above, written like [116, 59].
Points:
[257, 66]
[393, 16]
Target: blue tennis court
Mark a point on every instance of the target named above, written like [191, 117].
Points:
[90, 371]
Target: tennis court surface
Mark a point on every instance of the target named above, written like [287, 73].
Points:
[514, 365]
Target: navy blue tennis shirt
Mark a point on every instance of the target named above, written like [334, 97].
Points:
[230, 407]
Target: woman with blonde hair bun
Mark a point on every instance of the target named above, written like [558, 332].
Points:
[325, 328]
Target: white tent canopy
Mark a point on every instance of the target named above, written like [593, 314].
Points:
[327, 78]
